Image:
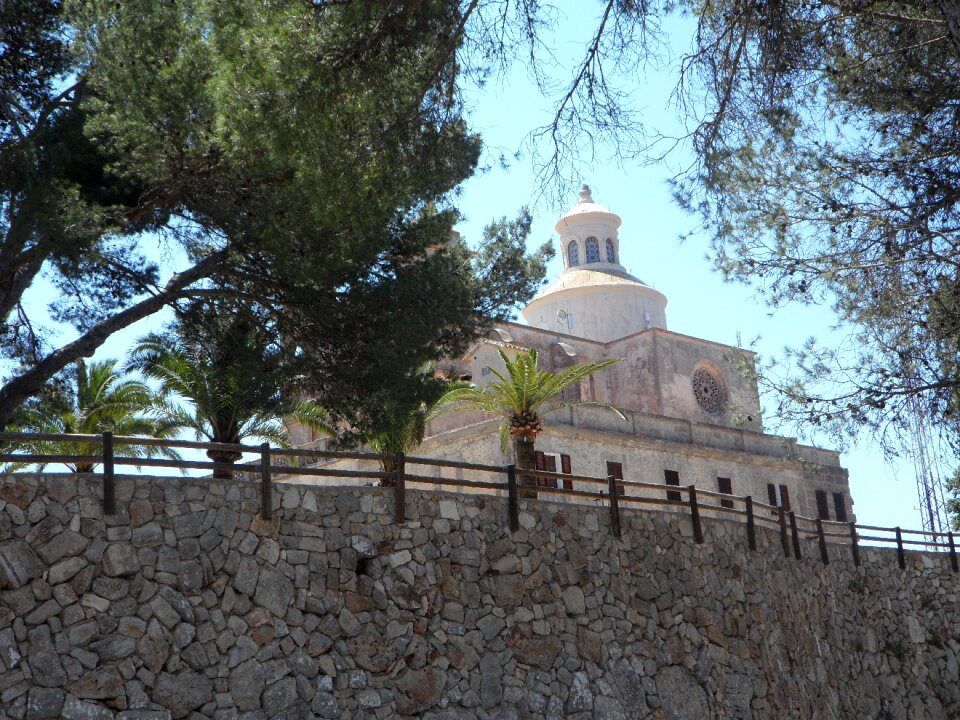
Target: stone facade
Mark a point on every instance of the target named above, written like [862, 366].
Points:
[186, 605]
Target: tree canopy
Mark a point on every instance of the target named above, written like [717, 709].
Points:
[298, 156]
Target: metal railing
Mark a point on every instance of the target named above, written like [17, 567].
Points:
[517, 484]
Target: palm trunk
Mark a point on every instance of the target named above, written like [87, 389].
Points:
[525, 457]
[388, 465]
[223, 456]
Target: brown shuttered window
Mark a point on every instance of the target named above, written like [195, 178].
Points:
[785, 498]
[779, 498]
[823, 509]
[550, 465]
[725, 486]
[672, 477]
[541, 465]
[565, 468]
[840, 506]
[615, 470]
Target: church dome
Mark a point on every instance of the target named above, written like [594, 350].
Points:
[595, 297]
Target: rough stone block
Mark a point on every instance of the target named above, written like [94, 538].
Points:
[103, 683]
[65, 544]
[120, 560]
[274, 591]
[182, 692]
[19, 564]
[44, 703]
[74, 709]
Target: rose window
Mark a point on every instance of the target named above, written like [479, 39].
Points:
[708, 390]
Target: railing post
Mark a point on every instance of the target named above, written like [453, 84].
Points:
[783, 531]
[695, 514]
[614, 506]
[855, 544]
[794, 534]
[953, 553]
[751, 526]
[513, 502]
[399, 488]
[901, 558]
[266, 483]
[109, 490]
[824, 555]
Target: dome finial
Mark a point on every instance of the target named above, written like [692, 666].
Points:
[585, 196]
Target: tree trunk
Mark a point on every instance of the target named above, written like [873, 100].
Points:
[525, 458]
[19, 388]
[223, 456]
[950, 9]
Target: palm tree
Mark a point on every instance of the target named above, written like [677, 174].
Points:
[521, 398]
[99, 399]
[224, 391]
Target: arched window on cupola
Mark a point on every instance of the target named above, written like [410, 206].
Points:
[573, 254]
[611, 257]
[593, 250]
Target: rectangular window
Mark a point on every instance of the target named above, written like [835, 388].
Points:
[548, 462]
[565, 468]
[823, 509]
[840, 506]
[725, 486]
[672, 477]
[615, 470]
[778, 495]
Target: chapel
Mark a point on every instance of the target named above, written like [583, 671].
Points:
[693, 414]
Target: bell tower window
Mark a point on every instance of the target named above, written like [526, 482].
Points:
[573, 254]
[593, 250]
[611, 257]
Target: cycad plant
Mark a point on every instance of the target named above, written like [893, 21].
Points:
[224, 385]
[521, 397]
[96, 398]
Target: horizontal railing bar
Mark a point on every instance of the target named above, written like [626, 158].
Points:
[720, 509]
[654, 501]
[186, 444]
[333, 454]
[656, 487]
[62, 459]
[550, 475]
[324, 472]
[415, 460]
[905, 532]
[926, 543]
[719, 495]
[563, 491]
[48, 437]
[453, 481]
[177, 464]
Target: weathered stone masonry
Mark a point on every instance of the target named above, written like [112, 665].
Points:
[184, 604]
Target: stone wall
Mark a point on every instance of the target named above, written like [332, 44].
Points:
[185, 604]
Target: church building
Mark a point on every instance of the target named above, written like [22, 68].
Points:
[693, 414]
